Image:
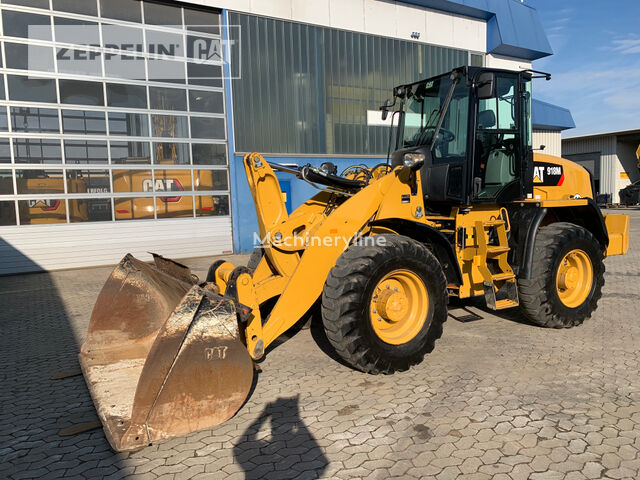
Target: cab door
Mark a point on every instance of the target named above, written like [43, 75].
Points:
[499, 143]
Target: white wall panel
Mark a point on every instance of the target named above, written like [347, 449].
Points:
[551, 139]
[236, 5]
[508, 63]
[273, 8]
[380, 17]
[439, 27]
[626, 165]
[53, 247]
[348, 15]
[316, 12]
[409, 20]
[628, 161]
[469, 33]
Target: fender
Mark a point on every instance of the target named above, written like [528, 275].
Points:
[588, 216]
[526, 244]
[442, 248]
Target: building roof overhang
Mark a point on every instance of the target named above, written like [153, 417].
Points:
[546, 116]
[514, 29]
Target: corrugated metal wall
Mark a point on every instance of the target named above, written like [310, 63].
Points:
[606, 146]
[306, 89]
[50, 247]
[551, 139]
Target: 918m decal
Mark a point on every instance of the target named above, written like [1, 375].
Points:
[547, 175]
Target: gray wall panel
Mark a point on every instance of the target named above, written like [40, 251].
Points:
[606, 145]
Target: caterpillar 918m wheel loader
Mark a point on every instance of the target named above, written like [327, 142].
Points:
[462, 208]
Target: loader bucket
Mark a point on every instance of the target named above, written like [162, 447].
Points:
[163, 357]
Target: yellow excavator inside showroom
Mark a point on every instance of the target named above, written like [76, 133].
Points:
[463, 208]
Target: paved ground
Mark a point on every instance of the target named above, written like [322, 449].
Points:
[497, 399]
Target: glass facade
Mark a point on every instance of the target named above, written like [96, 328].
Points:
[306, 89]
[110, 116]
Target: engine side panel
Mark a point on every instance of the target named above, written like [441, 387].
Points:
[556, 178]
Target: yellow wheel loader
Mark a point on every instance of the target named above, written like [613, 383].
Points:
[461, 208]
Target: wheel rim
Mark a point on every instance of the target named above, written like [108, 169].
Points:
[398, 307]
[574, 278]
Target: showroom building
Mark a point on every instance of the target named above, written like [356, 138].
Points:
[123, 122]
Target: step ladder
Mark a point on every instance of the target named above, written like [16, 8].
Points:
[500, 287]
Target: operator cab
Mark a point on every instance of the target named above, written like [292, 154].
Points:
[472, 127]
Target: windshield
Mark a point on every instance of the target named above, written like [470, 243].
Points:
[423, 109]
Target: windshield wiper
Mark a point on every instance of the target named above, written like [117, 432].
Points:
[435, 111]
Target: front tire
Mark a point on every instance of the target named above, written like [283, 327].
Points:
[383, 306]
[567, 277]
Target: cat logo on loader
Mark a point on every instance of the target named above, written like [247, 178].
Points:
[538, 174]
[167, 353]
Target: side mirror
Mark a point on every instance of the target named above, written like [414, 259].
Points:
[486, 85]
[385, 109]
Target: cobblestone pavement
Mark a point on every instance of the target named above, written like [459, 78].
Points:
[498, 398]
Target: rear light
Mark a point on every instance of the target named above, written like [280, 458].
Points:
[50, 208]
[122, 211]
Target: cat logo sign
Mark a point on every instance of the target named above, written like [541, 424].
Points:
[165, 182]
[173, 182]
[45, 205]
[163, 185]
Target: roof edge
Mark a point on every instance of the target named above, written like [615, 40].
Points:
[630, 131]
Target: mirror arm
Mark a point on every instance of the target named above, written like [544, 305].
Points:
[545, 75]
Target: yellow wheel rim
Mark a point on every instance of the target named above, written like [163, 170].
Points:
[398, 307]
[574, 278]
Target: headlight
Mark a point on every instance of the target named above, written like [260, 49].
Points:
[413, 160]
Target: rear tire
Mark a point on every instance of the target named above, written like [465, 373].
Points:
[566, 277]
[352, 291]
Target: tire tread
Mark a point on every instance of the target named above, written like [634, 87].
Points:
[342, 303]
[535, 293]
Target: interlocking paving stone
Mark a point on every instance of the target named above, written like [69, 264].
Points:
[497, 399]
